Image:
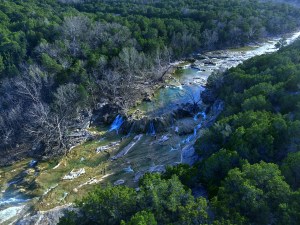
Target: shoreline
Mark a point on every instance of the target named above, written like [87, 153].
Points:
[191, 62]
[171, 72]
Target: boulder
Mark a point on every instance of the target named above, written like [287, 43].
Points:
[74, 174]
[119, 182]
[50, 217]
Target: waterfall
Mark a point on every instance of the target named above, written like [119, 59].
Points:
[198, 127]
[195, 131]
[151, 129]
[188, 139]
[117, 124]
[33, 163]
[203, 114]
[128, 170]
[130, 130]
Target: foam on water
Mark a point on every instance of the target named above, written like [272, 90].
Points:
[10, 212]
[10, 201]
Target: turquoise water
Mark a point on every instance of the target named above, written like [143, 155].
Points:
[167, 99]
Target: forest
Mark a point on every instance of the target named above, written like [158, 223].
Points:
[60, 60]
[249, 158]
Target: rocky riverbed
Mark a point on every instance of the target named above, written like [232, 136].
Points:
[161, 131]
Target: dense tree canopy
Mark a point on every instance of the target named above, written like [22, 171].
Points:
[159, 201]
[260, 121]
[60, 59]
[255, 195]
[108, 51]
[249, 156]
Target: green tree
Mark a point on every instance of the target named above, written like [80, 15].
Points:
[2, 67]
[215, 168]
[110, 205]
[256, 103]
[141, 218]
[50, 64]
[184, 172]
[170, 201]
[255, 193]
[291, 169]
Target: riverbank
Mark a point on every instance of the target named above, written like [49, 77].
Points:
[114, 158]
[203, 64]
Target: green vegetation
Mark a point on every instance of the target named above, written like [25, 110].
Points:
[249, 157]
[159, 201]
[258, 194]
[61, 59]
[260, 122]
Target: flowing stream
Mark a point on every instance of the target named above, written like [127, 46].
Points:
[153, 151]
[187, 82]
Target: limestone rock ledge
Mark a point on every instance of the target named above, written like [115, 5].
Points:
[50, 217]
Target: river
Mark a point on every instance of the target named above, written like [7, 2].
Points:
[188, 80]
[153, 151]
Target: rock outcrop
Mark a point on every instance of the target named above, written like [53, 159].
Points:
[50, 217]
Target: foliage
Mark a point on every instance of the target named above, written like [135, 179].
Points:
[141, 218]
[215, 168]
[260, 121]
[185, 173]
[258, 193]
[58, 59]
[111, 50]
[159, 201]
[291, 169]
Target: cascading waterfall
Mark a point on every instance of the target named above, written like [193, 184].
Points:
[194, 135]
[116, 125]
[188, 139]
[151, 129]
[198, 127]
[33, 163]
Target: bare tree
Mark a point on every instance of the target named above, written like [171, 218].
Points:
[162, 63]
[195, 98]
[30, 113]
[74, 30]
[210, 38]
